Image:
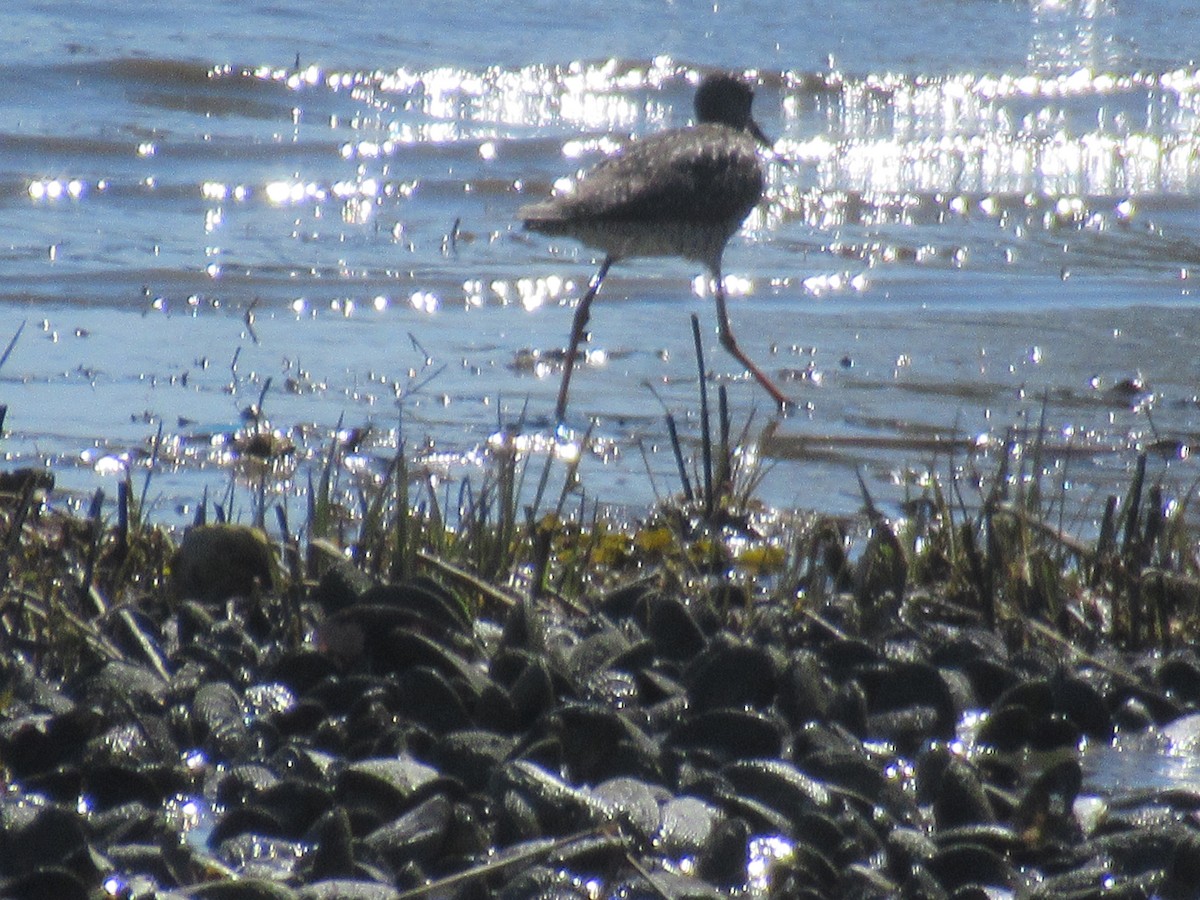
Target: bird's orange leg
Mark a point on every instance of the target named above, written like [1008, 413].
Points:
[729, 342]
[577, 327]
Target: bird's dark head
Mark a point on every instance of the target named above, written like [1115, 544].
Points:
[726, 100]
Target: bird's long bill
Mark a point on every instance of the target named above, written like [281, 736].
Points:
[757, 134]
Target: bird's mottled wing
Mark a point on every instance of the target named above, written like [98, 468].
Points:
[708, 173]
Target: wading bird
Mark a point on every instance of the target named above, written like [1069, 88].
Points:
[681, 193]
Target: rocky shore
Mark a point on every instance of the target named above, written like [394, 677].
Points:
[241, 735]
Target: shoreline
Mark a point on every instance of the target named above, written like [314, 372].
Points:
[708, 700]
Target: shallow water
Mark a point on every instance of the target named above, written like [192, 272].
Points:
[986, 220]
[1144, 763]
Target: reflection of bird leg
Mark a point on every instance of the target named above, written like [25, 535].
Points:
[577, 326]
[729, 342]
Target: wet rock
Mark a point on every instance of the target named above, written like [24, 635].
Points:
[1182, 880]
[402, 649]
[49, 883]
[419, 836]
[592, 855]
[132, 821]
[242, 889]
[426, 604]
[1132, 716]
[673, 630]
[341, 585]
[428, 698]
[1179, 676]
[215, 562]
[779, 785]
[301, 669]
[1046, 811]
[723, 858]
[541, 883]
[727, 734]
[848, 708]
[907, 703]
[731, 674]
[632, 804]
[333, 846]
[594, 655]
[1008, 729]
[860, 781]
[34, 744]
[296, 804]
[33, 838]
[599, 742]
[908, 848]
[1084, 706]
[118, 684]
[347, 889]
[804, 693]
[970, 865]
[558, 808]
[531, 691]
[471, 756]
[686, 824]
[807, 869]
[220, 722]
[145, 859]
[385, 787]
[248, 819]
[960, 798]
